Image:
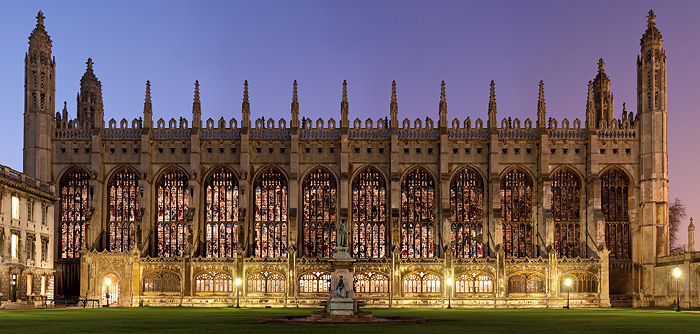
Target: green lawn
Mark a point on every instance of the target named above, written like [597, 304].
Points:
[205, 320]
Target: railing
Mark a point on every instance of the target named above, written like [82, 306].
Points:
[73, 133]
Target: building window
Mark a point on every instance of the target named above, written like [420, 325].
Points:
[369, 214]
[417, 214]
[473, 283]
[614, 201]
[566, 187]
[30, 282]
[161, 281]
[221, 191]
[371, 282]
[581, 282]
[123, 210]
[516, 209]
[15, 207]
[173, 204]
[213, 281]
[74, 210]
[315, 282]
[266, 282]
[31, 249]
[270, 214]
[526, 283]
[44, 213]
[44, 249]
[30, 210]
[319, 203]
[43, 285]
[466, 202]
[421, 282]
[14, 246]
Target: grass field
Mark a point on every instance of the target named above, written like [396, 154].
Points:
[208, 320]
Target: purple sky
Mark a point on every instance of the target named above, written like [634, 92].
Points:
[369, 43]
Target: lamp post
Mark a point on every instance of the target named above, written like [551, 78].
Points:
[238, 291]
[108, 282]
[677, 274]
[449, 292]
[568, 290]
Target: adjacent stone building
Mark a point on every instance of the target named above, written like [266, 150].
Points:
[172, 212]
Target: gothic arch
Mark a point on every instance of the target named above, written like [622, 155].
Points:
[168, 168]
[319, 204]
[621, 168]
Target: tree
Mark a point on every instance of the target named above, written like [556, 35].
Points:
[676, 214]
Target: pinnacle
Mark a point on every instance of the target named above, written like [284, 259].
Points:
[40, 19]
[294, 93]
[443, 97]
[345, 91]
[245, 91]
[196, 91]
[651, 19]
[89, 64]
[601, 65]
[148, 91]
[393, 91]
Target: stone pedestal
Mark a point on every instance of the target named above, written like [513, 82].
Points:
[342, 267]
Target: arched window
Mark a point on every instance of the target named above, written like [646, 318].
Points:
[315, 282]
[466, 202]
[319, 200]
[473, 283]
[526, 283]
[516, 209]
[371, 282]
[270, 214]
[74, 210]
[566, 188]
[172, 205]
[615, 188]
[581, 282]
[421, 282]
[266, 282]
[417, 214]
[221, 191]
[161, 281]
[123, 210]
[369, 214]
[213, 281]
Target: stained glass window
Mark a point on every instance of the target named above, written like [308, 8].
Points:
[417, 214]
[371, 282]
[466, 202]
[161, 281]
[270, 214]
[473, 283]
[319, 214]
[421, 282]
[315, 282]
[369, 214]
[516, 208]
[221, 191]
[74, 209]
[213, 281]
[266, 282]
[614, 200]
[123, 208]
[172, 206]
[566, 188]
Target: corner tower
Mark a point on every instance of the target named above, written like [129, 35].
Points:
[90, 110]
[39, 103]
[653, 157]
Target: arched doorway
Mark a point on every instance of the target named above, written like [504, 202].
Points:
[110, 291]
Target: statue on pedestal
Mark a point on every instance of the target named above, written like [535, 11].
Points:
[342, 234]
[340, 291]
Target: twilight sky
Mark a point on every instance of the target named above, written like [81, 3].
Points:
[369, 43]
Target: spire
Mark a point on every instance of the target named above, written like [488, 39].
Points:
[493, 121]
[344, 108]
[652, 36]
[541, 108]
[443, 107]
[90, 108]
[148, 107]
[691, 236]
[295, 106]
[590, 110]
[602, 96]
[40, 19]
[651, 19]
[245, 123]
[196, 107]
[394, 106]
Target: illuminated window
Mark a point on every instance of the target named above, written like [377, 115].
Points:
[172, 207]
[526, 283]
[270, 214]
[466, 202]
[371, 282]
[516, 209]
[30, 278]
[319, 214]
[14, 245]
[614, 200]
[369, 214]
[417, 215]
[473, 283]
[566, 188]
[315, 282]
[74, 210]
[421, 282]
[213, 281]
[266, 282]
[221, 191]
[43, 285]
[581, 282]
[161, 281]
[123, 210]
[15, 207]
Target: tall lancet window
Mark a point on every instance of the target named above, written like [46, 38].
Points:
[614, 200]
[75, 195]
[221, 191]
[566, 189]
[369, 214]
[270, 214]
[466, 203]
[318, 231]
[172, 205]
[417, 215]
[123, 209]
[516, 209]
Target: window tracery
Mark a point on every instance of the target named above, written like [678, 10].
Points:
[581, 282]
[417, 214]
[466, 202]
[473, 283]
[371, 282]
[270, 214]
[213, 281]
[173, 204]
[221, 191]
[319, 204]
[421, 282]
[566, 188]
[161, 281]
[74, 210]
[516, 209]
[123, 208]
[369, 214]
[266, 282]
[526, 283]
[614, 200]
[315, 282]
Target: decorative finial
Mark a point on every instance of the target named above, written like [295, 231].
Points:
[245, 91]
[345, 91]
[65, 104]
[541, 103]
[196, 91]
[624, 107]
[393, 91]
[601, 65]
[40, 19]
[89, 64]
[443, 97]
[651, 19]
[148, 90]
[492, 94]
[295, 98]
[691, 222]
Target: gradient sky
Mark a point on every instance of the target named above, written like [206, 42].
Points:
[369, 43]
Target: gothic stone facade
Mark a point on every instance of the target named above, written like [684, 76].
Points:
[174, 212]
